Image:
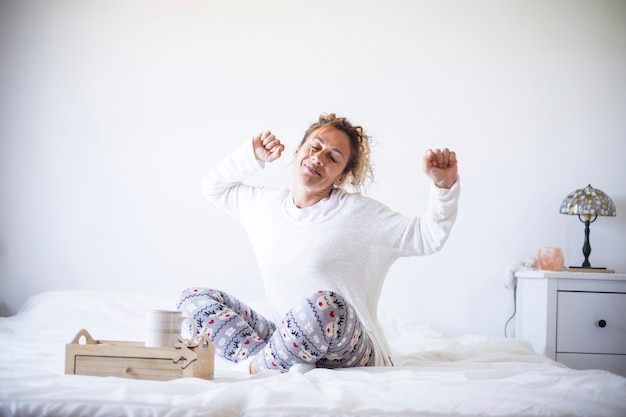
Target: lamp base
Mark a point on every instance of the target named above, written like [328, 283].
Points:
[589, 269]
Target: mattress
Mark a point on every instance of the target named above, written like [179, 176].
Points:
[434, 375]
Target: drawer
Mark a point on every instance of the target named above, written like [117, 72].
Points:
[140, 368]
[591, 322]
[611, 363]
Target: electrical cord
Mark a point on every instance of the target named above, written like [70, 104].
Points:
[530, 263]
[514, 309]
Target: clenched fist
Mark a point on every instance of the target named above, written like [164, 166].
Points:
[441, 167]
[267, 147]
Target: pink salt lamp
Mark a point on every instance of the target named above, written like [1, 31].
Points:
[550, 259]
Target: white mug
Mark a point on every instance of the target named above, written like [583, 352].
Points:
[163, 328]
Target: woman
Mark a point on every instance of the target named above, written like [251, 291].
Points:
[323, 252]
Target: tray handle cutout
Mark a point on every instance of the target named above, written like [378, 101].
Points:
[83, 335]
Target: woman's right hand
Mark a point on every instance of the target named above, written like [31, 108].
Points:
[267, 147]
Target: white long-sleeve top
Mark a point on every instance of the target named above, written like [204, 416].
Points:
[345, 243]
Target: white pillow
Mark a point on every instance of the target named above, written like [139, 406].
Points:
[105, 315]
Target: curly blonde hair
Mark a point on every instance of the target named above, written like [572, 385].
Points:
[359, 168]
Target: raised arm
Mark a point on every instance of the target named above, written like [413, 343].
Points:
[223, 183]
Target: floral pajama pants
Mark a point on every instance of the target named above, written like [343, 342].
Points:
[322, 331]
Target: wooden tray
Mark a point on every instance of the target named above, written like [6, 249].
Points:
[134, 360]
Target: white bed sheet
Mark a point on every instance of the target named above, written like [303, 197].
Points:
[434, 375]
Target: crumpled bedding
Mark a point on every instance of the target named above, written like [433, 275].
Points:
[433, 375]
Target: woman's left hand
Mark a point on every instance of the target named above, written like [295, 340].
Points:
[441, 166]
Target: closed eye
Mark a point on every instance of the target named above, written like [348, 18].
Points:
[316, 147]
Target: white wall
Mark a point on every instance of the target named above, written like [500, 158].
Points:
[111, 111]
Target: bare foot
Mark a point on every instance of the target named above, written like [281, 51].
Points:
[253, 369]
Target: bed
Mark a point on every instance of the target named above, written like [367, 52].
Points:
[433, 375]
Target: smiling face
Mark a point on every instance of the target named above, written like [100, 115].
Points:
[321, 160]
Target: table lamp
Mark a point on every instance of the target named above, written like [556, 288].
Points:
[587, 203]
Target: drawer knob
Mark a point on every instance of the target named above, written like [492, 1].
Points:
[127, 370]
[602, 323]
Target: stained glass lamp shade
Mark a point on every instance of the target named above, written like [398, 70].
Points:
[587, 203]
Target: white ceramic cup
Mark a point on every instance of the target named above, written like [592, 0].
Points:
[164, 327]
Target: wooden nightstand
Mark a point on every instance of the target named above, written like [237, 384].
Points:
[576, 318]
